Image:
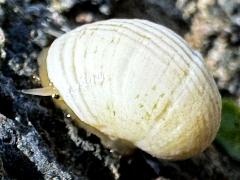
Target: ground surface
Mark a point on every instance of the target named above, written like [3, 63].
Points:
[38, 141]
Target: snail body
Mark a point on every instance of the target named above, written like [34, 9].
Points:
[138, 83]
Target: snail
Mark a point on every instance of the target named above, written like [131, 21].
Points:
[135, 84]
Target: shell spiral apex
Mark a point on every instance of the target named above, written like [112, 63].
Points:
[137, 81]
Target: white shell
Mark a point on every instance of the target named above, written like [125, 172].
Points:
[138, 81]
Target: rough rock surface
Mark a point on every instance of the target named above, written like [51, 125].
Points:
[38, 141]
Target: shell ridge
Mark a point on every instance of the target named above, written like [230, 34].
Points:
[186, 49]
[70, 95]
[81, 96]
[74, 73]
[108, 30]
[123, 72]
[201, 69]
[155, 120]
[60, 43]
[73, 104]
[206, 76]
[147, 23]
[218, 110]
[165, 112]
[156, 125]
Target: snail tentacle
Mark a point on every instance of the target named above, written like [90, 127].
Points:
[45, 91]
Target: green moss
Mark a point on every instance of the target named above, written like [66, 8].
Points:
[155, 106]
[137, 96]
[140, 105]
[147, 116]
[229, 133]
[154, 88]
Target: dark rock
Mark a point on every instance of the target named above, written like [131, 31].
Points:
[160, 12]
[51, 127]
[218, 40]
[26, 140]
[232, 9]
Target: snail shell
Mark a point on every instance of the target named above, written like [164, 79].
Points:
[137, 81]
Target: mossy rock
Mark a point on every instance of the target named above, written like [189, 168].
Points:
[229, 133]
